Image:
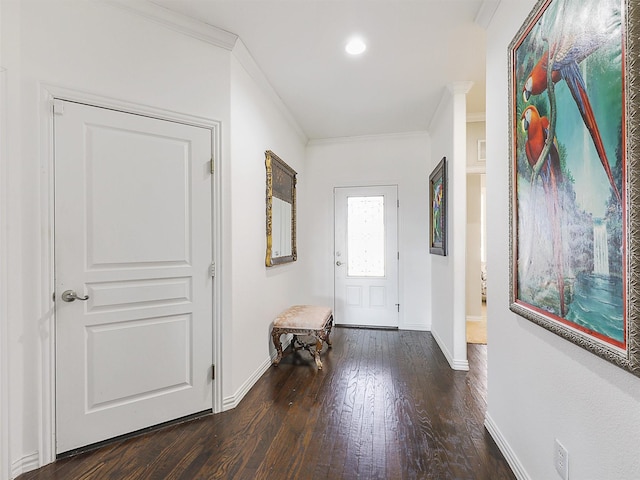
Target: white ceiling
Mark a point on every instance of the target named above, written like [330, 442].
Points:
[415, 48]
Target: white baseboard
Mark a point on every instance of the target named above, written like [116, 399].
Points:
[505, 448]
[455, 364]
[418, 327]
[475, 318]
[25, 464]
[232, 401]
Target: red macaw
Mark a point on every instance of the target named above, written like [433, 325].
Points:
[537, 130]
[568, 54]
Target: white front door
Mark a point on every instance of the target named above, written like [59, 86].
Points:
[133, 235]
[366, 256]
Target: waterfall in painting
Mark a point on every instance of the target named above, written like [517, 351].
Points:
[600, 248]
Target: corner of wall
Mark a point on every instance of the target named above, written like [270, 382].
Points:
[244, 58]
[449, 274]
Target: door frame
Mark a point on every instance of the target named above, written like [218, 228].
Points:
[48, 94]
[398, 221]
[5, 470]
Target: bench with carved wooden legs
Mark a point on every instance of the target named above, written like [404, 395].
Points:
[303, 320]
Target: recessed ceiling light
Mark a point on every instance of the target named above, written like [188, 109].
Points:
[355, 46]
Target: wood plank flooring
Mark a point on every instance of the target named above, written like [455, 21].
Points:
[385, 406]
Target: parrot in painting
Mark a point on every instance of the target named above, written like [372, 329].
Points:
[537, 130]
[568, 52]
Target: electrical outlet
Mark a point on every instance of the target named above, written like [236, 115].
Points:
[561, 460]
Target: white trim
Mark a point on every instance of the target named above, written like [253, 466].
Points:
[444, 97]
[512, 459]
[4, 278]
[46, 361]
[364, 138]
[215, 36]
[486, 12]
[242, 54]
[475, 318]
[455, 364]
[477, 169]
[216, 210]
[24, 464]
[234, 400]
[88, 98]
[476, 117]
[47, 94]
[417, 327]
[460, 88]
[178, 22]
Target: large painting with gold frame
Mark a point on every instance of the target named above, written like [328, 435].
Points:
[573, 89]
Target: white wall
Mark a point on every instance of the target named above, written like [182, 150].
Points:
[386, 160]
[475, 132]
[258, 293]
[542, 387]
[107, 51]
[448, 272]
[90, 47]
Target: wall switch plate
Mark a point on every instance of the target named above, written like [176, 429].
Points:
[561, 460]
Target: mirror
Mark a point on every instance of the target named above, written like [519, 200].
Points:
[281, 211]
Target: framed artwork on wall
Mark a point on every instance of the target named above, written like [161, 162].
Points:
[438, 209]
[575, 210]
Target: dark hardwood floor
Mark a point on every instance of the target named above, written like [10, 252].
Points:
[385, 406]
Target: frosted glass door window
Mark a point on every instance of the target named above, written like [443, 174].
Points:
[365, 236]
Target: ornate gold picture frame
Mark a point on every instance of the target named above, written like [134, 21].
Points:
[280, 212]
[574, 211]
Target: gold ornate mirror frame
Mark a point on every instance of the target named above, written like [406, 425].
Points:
[281, 186]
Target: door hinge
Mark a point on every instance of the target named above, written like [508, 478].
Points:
[398, 201]
[398, 255]
[58, 106]
[213, 371]
[213, 166]
[212, 269]
[398, 305]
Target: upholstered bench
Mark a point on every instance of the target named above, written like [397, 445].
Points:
[309, 320]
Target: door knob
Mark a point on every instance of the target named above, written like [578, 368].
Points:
[71, 296]
[338, 263]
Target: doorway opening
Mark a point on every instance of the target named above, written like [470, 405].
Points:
[476, 296]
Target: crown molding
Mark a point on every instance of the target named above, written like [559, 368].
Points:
[486, 12]
[242, 54]
[451, 89]
[214, 36]
[459, 88]
[477, 169]
[178, 22]
[476, 117]
[366, 138]
[444, 97]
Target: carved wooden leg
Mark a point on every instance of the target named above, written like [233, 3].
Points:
[275, 336]
[328, 330]
[316, 354]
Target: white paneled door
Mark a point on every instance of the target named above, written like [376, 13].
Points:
[133, 247]
[366, 256]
